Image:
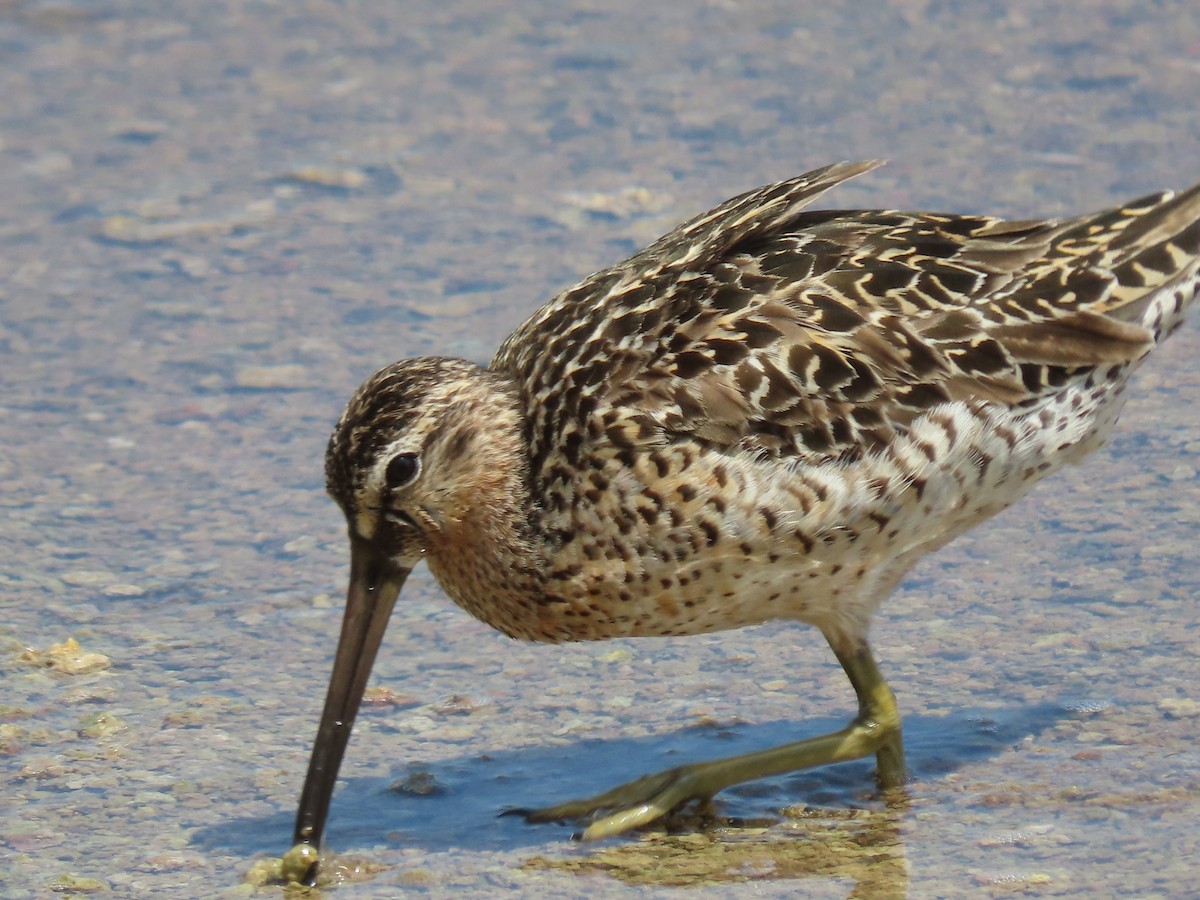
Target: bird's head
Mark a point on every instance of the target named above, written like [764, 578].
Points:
[405, 461]
[415, 455]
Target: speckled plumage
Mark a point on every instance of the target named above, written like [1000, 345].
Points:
[772, 413]
[769, 413]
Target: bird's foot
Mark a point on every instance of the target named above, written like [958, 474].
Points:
[876, 730]
[628, 806]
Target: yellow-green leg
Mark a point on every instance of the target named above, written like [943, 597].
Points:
[876, 730]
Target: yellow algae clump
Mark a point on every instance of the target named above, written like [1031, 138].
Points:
[67, 657]
[298, 860]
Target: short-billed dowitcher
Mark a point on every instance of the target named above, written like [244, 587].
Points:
[769, 413]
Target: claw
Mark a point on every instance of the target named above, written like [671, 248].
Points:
[524, 811]
[623, 808]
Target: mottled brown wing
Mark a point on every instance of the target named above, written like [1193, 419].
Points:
[596, 340]
[764, 327]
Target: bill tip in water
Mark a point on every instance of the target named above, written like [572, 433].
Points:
[299, 862]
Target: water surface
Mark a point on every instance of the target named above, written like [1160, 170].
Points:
[219, 218]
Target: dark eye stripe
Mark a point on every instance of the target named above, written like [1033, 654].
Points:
[400, 517]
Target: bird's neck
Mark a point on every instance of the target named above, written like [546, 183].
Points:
[487, 554]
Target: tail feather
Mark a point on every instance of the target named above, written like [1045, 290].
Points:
[1154, 258]
[1173, 215]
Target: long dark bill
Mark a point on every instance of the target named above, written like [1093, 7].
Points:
[375, 584]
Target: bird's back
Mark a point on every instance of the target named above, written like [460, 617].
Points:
[844, 390]
[764, 326]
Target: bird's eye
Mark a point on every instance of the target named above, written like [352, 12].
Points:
[402, 469]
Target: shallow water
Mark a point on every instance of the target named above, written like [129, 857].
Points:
[219, 218]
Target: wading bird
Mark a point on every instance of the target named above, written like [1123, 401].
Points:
[769, 413]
